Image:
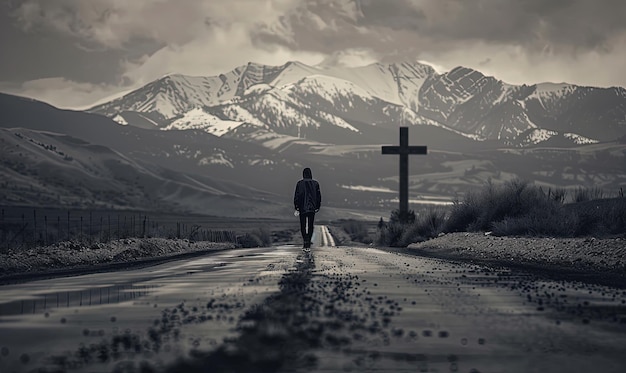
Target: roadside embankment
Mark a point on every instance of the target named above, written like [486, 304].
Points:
[68, 258]
[595, 259]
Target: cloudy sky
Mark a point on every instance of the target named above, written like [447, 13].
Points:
[72, 53]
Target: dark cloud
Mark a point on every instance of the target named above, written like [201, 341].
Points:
[396, 15]
[38, 53]
[103, 44]
[566, 25]
[404, 27]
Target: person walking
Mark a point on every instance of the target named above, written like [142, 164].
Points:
[307, 200]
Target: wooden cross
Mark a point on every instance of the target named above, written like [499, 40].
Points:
[404, 150]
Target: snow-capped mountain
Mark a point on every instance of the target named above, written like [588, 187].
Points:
[353, 105]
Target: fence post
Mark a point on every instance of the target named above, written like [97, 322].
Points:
[68, 225]
[90, 226]
[101, 220]
[3, 229]
[23, 230]
[45, 230]
[143, 229]
[34, 227]
[81, 229]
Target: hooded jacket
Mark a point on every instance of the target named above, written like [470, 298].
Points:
[307, 197]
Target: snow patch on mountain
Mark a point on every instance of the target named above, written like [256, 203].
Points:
[120, 119]
[164, 106]
[257, 89]
[329, 88]
[375, 80]
[580, 140]
[239, 114]
[199, 119]
[216, 158]
[337, 121]
[293, 72]
[547, 92]
[539, 135]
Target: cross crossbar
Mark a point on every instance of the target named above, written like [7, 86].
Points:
[404, 150]
[393, 149]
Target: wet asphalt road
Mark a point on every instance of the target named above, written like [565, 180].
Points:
[334, 309]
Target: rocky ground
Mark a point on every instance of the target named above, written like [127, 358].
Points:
[584, 258]
[75, 257]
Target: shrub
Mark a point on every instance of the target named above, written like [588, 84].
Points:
[427, 226]
[541, 222]
[496, 203]
[357, 230]
[463, 213]
[257, 238]
[423, 227]
[264, 234]
[520, 208]
[599, 217]
[390, 235]
[250, 240]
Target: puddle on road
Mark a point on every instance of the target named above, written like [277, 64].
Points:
[81, 298]
[37, 302]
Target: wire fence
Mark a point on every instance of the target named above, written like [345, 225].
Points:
[28, 229]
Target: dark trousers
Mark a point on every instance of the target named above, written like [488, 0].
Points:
[306, 220]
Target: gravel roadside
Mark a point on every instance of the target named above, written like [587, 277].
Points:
[585, 259]
[73, 258]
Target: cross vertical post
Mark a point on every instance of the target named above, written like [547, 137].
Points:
[403, 151]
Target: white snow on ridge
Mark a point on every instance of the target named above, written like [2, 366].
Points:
[580, 140]
[237, 113]
[552, 91]
[337, 121]
[217, 158]
[374, 79]
[199, 119]
[553, 87]
[539, 135]
[164, 106]
[120, 119]
[257, 89]
[330, 86]
[294, 72]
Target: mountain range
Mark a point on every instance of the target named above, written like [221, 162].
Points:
[234, 144]
[349, 105]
